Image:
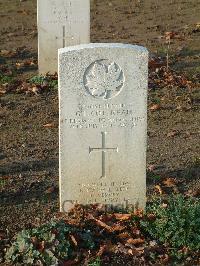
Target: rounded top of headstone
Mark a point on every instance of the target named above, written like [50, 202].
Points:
[137, 48]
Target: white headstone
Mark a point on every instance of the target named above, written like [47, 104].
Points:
[103, 122]
[61, 23]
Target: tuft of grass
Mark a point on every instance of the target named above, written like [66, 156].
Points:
[48, 81]
[5, 79]
[176, 224]
[96, 262]
[37, 80]
[153, 177]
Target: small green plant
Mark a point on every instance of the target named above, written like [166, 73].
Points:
[44, 81]
[37, 80]
[176, 224]
[153, 177]
[96, 262]
[47, 244]
[5, 79]
[53, 84]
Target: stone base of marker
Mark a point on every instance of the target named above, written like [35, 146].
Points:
[103, 122]
[123, 207]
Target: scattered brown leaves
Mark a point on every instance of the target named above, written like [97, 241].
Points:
[161, 77]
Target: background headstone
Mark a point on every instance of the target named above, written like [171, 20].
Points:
[103, 122]
[61, 23]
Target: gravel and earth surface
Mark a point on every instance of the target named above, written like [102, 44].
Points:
[29, 117]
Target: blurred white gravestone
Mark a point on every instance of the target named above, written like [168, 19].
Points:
[61, 23]
[103, 122]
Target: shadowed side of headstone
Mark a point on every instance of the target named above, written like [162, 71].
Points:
[103, 123]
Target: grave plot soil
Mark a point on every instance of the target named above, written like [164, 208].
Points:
[28, 121]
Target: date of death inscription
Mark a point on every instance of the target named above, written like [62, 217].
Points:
[104, 116]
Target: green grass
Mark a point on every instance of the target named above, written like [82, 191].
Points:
[44, 80]
[5, 79]
[96, 262]
[176, 224]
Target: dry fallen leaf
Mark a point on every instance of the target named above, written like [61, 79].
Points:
[135, 241]
[34, 240]
[122, 249]
[170, 182]
[135, 251]
[41, 246]
[135, 231]
[50, 190]
[164, 205]
[156, 62]
[124, 235]
[2, 91]
[173, 133]
[4, 52]
[35, 90]
[154, 107]
[19, 65]
[151, 167]
[100, 223]
[74, 240]
[101, 250]
[196, 27]
[122, 217]
[117, 227]
[170, 35]
[49, 125]
[139, 213]
[151, 216]
[158, 188]
[193, 193]
[164, 258]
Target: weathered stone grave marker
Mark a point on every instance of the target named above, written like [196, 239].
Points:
[61, 23]
[103, 113]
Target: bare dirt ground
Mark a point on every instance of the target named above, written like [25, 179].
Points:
[29, 151]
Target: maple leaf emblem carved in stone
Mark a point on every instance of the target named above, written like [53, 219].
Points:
[104, 79]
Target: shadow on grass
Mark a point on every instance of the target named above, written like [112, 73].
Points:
[190, 173]
[19, 167]
[37, 192]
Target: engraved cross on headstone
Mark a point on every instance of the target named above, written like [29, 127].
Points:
[103, 149]
[65, 38]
